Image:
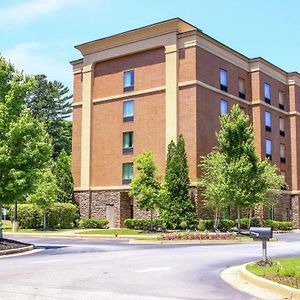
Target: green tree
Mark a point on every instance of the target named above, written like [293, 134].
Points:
[50, 102]
[45, 192]
[212, 183]
[245, 180]
[145, 186]
[64, 179]
[24, 144]
[178, 209]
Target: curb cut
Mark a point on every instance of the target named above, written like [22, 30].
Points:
[17, 250]
[285, 291]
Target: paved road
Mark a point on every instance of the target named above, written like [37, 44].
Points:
[102, 269]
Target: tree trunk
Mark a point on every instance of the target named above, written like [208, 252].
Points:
[239, 219]
[151, 220]
[1, 233]
[16, 212]
[216, 223]
[44, 220]
[250, 218]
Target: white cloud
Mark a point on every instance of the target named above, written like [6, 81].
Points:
[33, 59]
[30, 10]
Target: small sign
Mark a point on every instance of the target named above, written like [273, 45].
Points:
[4, 212]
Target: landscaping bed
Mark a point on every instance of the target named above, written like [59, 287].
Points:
[283, 270]
[6, 244]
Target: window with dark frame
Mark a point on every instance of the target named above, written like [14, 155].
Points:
[223, 107]
[267, 93]
[128, 81]
[281, 127]
[242, 88]
[128, 142]
[127, 173]
[223, 80]
[281, 100]
[268, 121]
[268, 146]
[128, 110]
[282, 153]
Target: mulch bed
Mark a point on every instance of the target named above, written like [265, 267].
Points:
[286, 280]
[6, 244]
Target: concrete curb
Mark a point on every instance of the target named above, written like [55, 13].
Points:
[274, 287]
[17, 250]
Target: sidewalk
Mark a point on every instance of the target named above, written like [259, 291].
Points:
[241, 279]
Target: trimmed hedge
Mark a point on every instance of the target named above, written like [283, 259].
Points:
[279, 225]
[62, 216]
[144, 224]
[93, 223]
[59, 216]
[245, 222]
[29, 215]
[224, 225]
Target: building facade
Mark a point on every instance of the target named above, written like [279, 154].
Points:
[138, 90]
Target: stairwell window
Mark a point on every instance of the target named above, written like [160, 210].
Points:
[281, 100]
[223, 80]
[281, 127]
[242, 88]
[267, 91]
[127, 173]
[268, 145]
[268, 121]
[128, 81]
[282, 153]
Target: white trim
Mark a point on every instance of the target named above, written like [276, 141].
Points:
[130, 94]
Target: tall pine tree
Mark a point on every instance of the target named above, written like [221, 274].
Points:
[64, 179]
[178, 210]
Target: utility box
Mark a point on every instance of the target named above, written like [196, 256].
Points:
[261, 233]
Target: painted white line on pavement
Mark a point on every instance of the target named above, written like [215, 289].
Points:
[153, 269]
[46, 261]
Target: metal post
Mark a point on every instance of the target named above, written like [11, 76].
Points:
[264, 250]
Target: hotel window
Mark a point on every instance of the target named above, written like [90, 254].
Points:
[268, 145]
[127, 142]
[268, 121]
[128, 111]
[128, 81]
[282, 153]
[223, 107]
[281, 127]
[283, 174]
[223, 80]
[242, 88]
[127, 173]
[267, 91]
[281, 100]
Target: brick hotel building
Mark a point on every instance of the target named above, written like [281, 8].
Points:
[138, 90]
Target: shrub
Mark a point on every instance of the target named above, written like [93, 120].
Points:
[205, 225]
[245, 222]
[279, 225]
[62, 215]
[29, 215]
[144, 224]
[59, 215]
[226, 224]
[198, 236]
[93, 223]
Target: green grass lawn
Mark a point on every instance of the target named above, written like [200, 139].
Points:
[284, 270]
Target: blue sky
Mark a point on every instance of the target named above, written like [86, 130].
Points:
[38, 36]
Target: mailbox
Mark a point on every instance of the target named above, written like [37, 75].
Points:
[261, 233]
